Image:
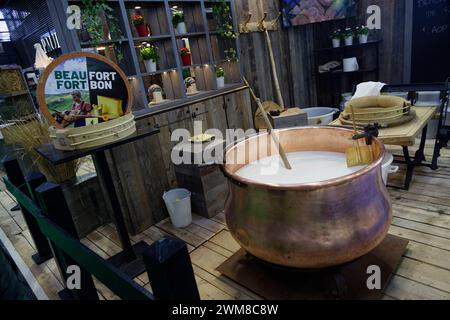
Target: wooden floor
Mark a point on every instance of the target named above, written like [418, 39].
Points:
[421, 215]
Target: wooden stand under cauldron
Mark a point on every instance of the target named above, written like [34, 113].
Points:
[344, 282]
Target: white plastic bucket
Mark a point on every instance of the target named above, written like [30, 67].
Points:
[350, 64]
[178, 203]
[181, 28]
[220, 82]
[387, 168]
[320, 115]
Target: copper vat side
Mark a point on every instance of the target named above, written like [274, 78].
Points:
[315, 225]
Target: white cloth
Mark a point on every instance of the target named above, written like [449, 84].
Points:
[42, 60]
[368, 89]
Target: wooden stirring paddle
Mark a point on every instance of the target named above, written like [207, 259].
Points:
[269, 126]
[357, 155]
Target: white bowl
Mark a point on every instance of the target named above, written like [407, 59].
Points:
[387, 167]
[320, 115]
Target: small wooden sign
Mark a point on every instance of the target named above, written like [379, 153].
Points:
[80, 86]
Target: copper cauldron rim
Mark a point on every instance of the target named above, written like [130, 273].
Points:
[302, 186]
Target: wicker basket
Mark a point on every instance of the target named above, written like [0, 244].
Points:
[387, 111]
[93, 136]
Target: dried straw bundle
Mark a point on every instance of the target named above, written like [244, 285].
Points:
[31, 132]
[11, 81]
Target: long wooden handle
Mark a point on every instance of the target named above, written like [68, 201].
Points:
[269, 125]
[274, 69]
[356, 132]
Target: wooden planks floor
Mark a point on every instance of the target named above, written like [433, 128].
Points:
[421, 215]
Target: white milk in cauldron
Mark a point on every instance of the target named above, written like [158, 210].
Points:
[307, 167]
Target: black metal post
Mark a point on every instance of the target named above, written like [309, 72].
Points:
[170, 270]
[44, 252]
[12, 166]
[15, 176]
[419, 156]
[129, 260]
[51, 199]
[105, 173]
[409, 168]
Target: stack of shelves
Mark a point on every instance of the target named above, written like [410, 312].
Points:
[208, 48]
[337, 82]
[16, 101]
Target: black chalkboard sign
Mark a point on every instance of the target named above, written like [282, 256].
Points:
[430, 55]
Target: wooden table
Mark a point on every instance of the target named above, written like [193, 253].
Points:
[405, 135]
[129, 260]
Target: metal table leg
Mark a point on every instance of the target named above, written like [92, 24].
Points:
[411, 163]
[409, 168]
[130, 259]
[442, 139]
[419, 156]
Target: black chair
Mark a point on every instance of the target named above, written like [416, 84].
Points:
[443, 132]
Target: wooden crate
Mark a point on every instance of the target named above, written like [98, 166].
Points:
[11, 80]
[86, 202]
[208, 186]
[15, 98]
[292, 117]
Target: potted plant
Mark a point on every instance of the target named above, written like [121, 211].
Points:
[185, 56]
[363, 33]
[348, 36]
[139, 24]
[99, 23]
[336, 38]
[220, 77]
[150, 55]
[178, 22]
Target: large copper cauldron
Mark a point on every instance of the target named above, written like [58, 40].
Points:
[314, 225]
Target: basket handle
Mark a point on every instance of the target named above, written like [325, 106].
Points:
[98, 130]
[102, 137]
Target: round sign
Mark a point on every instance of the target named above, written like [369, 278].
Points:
[83, 88]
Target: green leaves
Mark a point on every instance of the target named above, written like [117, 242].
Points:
[220, 72]
[177, 18]
[362, 30]
[92, 22]
[230, 54]
[149, 53]
[222, 14]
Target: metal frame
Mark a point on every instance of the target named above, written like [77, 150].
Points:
[442, 135]
[167, 261]
[64, 245]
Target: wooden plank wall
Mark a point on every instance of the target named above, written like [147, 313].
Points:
[143, 170]
[293, 48]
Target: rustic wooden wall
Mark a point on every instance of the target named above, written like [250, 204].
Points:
[143, 170]
[294, 49]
